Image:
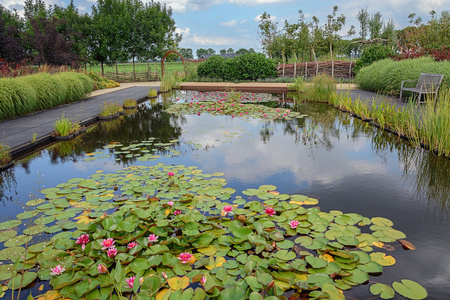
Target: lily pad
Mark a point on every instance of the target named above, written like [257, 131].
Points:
[410, 289]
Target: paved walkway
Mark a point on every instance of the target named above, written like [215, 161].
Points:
[18, 133]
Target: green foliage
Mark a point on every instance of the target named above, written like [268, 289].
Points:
[26, 94]
[129, 103]
[110, 109]
[65, 126]
[385, 76]
[372, 54]
[152, 92]
[5, 154]
[101, 82]
[212, 67]
[249, 66]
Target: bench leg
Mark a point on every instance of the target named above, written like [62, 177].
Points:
[400, 95]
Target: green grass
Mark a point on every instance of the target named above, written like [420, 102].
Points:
[385, 76]
[140, 67]
[65, 126]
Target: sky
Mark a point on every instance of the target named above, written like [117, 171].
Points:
[223, 24]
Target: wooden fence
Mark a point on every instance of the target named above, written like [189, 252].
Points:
[336, 69]
[130, 76]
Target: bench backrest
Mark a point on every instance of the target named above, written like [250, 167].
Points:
[430, 82]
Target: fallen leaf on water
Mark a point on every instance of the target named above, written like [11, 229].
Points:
[407, 245]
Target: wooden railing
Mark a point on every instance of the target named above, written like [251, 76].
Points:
[336, 69]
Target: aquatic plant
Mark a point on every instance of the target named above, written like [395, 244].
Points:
[110, 109]
[273, 245]
[129, 103]
[152, 93]
[5, 154]
[65, 126]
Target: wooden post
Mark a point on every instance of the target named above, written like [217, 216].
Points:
[283, 68]
[157, 75]
[295, 69]
[317, 68]
[332, 68]
[350, 70]
[306, 70]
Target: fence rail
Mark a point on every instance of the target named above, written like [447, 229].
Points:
[336, 69]
[130, 76]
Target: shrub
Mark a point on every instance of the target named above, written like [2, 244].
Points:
[77, 86]
[50, 89]
[5, 155]
[152, 92]
[110, 109]
[372, 54]
[129, 102]
[385, 76]
[65, 126]
[249, 66]
[212, 67]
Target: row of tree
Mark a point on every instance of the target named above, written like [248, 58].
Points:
[305, 41]
[116, 30]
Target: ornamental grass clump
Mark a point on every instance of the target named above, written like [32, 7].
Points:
[5, 155]
[152, 93]
[77, 86]
[65, 126]
[129, 103]
[110, 109]
[17, 97]
[322, 89]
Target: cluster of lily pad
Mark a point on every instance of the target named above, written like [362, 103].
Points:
[243, 97]
[172, 231]
[233, 109]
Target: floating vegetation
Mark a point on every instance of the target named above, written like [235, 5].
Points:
[233, 109]
[230, 96]
[172, 231]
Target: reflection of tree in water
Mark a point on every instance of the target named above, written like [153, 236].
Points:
[7, 183]
[148, 121]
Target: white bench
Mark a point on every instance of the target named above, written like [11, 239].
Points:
[427, 84]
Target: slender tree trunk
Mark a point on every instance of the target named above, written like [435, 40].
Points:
[101, 63]
[117, 71]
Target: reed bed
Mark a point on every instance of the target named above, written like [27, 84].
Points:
[26, 94]
[425, 126]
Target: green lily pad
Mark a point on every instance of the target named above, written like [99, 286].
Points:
[20, 281]
[385, 291]
[410, 289]
[6, 235]
[10, 224]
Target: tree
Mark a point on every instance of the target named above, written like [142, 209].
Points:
[268, 32]
[50, 46]
[363, 18]
[375, 25]
[332, 27]
[201, 53]
[223, 52]
[210, 51]
[230, 51]
[11, 46]
[186, 53]
[241, 51]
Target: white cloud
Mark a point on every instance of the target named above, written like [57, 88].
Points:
[231, 23]
[184, 32]
[258, 18]
[214, 40]
[243, 21]
[256, 2]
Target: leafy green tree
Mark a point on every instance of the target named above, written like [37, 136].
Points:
[375, 25]
[363, 18]
[241, 51]
[11, 46]
[230, 51]
[223, 52]
[332, 27]
[268, 33]
[186, 53]
[210, 51]
[201, 53]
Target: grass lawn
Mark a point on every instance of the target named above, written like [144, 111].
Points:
[140, 67]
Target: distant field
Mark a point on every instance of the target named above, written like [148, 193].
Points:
[140, 67]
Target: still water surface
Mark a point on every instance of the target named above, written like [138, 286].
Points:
[345, 163]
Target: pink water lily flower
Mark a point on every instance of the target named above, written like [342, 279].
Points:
[112, 252]
[227, 209]
[270, 211]
[108, 243]
[177, 212]
[102, 268]
[153, 238]
[293, 224]
[131, 245]
[164, 275]
[203, 280]
[185, 257]
[57, 270]
[83, 240]
[130, 281]
[170, 203]
[171, 173]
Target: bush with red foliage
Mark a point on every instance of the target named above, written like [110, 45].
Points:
[21, 68]
[441, 54]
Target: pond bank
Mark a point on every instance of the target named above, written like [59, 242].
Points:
[17, 133]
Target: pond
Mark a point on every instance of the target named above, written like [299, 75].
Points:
[346, 164]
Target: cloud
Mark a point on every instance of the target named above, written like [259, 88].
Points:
[243, 21]
[231, 23]
[213, 40]
[256, 2]
[184, 32]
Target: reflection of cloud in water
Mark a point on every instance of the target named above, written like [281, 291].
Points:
[247, 159]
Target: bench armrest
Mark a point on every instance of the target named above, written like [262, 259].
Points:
[403, 81]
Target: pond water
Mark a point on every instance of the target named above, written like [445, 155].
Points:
[343, 162]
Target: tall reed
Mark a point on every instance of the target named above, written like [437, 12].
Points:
[17, 97]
